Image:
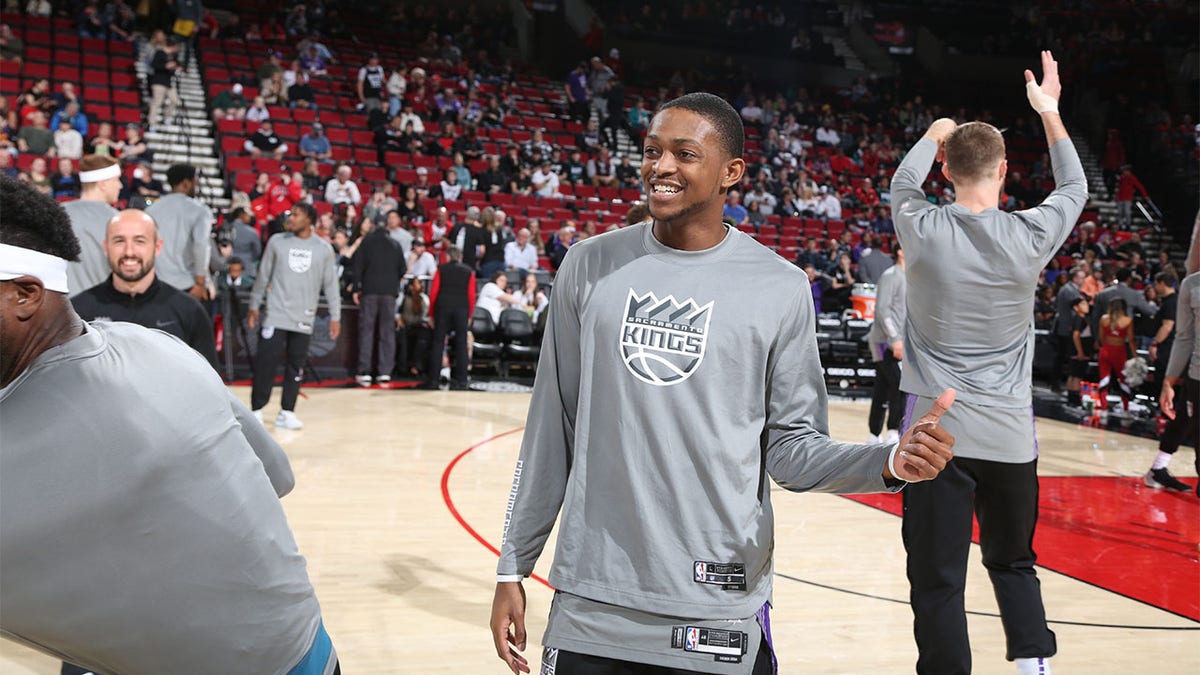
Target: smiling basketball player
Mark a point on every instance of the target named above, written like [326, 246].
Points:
[679, 370]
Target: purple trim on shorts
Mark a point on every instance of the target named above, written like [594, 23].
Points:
[764, 621]
[910, 403]
[1033, 423]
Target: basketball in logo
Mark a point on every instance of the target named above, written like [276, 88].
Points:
[662, 341]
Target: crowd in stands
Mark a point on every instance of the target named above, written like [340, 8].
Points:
[454, 157]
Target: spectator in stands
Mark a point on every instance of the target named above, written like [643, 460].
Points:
[537, 145]
[421, 262]
[38, 176]
[64, 183]
[576, 88]
[341, 189]
[266, 74]
[413, 326]
[379, 265]
[410, 205]
[1104, 248]
[163, 66]
[230, 104]
[258, 112]
[315, 145]
[134, 148]
[589, 139]
[1127, 183]
[264, 142]
[560, 241]
[829, 206]
[68, 143]
[521, 254]
[628, 175]
[143, 188]
[602, 171]
[35, 137]
[35, 98]
[397, 84]
[828, 136]
[72, 114]
[1131, 246]
[104, 143]
[301, 94]
[449, 188]
[452, 299]
[1113, 160]
[734, 211]
[12, 48]
[380, 205]
[370, 83]
[496, 236]
[765, 200]
[597, 83]
[408, 116]
[545, 181]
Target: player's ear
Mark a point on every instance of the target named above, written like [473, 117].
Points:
[734, 170]
[946, 173]
[1003, 169]
[27, 297]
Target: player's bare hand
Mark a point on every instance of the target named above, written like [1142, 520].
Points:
[1044, 97]
[898, 350]
[1166, 399]
[508, 625]
[252, 318]
[335, 329]
[926, 447]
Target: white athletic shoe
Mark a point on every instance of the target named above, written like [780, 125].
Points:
[893, 437]
[384, 379]
[872, 438]
[363, 380]
[258, 415]
[288, 420]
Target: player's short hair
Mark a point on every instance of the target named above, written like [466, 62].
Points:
[719, 113]
[973, 150]
[307, 209]
[179, 173]
[32, 220]
[94, 162]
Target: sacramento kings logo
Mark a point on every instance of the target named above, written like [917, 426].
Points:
[662, 341]
[299, 260]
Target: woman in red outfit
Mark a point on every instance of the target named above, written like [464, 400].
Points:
[1116, 344]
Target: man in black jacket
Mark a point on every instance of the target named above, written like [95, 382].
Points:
[452, 299]
[133, 293]
[378, 267]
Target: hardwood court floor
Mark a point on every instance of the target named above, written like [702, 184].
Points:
[406, 589]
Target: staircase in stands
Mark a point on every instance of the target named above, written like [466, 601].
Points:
[188, 138]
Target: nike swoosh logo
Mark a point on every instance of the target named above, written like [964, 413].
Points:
[162, 324]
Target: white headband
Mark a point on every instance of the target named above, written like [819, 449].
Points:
[97, 175]
[18, 262]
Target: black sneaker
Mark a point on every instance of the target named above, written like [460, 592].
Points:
[1161, 478]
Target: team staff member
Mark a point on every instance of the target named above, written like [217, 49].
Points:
[101, 179]
[295, 268]
[666, 395]
[953, 254]
[451, 301]
[134, 293]
[155, 542]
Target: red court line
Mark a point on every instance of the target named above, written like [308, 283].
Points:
[454, 511]
[1115, 534]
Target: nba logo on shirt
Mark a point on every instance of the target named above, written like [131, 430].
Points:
[662, 341]
[299, 260]
[692, 640]
[701, 571]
